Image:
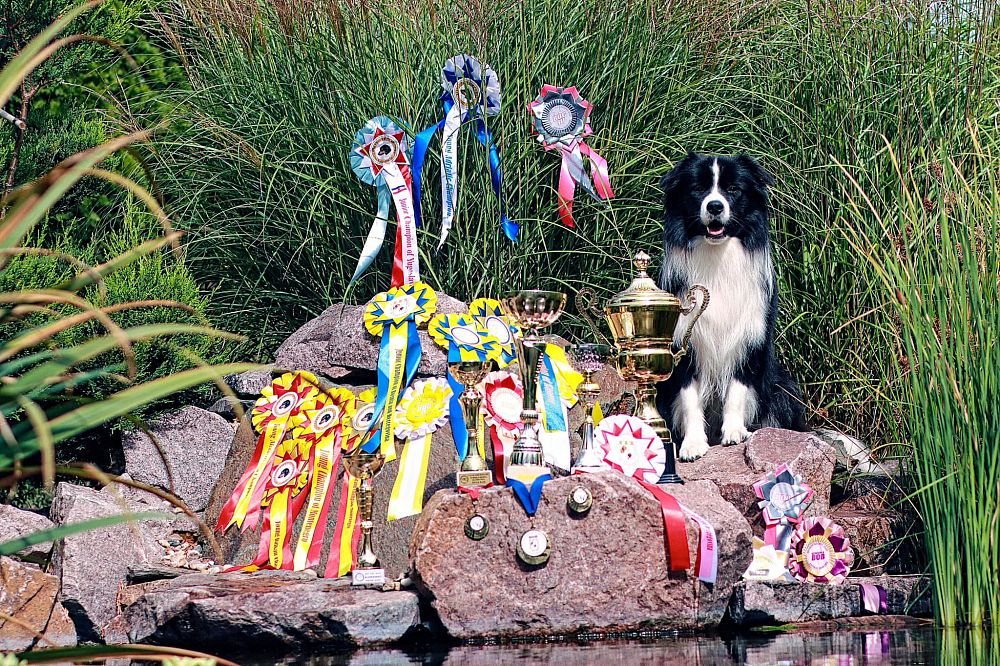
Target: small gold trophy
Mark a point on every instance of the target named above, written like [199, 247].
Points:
[364, 466]
[473, 471]
[531, 310]
[643, 318]
[589, 358]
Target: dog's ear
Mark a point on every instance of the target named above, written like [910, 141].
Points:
[671, 179]
[756, 171]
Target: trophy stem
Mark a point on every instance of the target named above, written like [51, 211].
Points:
[473, 471]
[646, 394]
[366, 503]
[528, 449]
[589, 456]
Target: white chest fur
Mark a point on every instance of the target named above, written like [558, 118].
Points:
[740, 285]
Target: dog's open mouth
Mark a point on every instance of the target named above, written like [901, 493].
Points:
[716, 230]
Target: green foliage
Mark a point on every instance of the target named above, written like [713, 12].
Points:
[259, 169]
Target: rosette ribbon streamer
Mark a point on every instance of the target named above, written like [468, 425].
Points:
[395, 315]
[276, 413]
[379, 158]
[503, 397]
[633, 448]
[466, 340]
[421, 411]
[471, 93]
[561, 120]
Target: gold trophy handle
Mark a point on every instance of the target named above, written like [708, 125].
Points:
[692, 303]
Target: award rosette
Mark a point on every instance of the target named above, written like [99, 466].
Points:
[471, 93]
[820, 552]
[768, 563]
[561, 120]
[783, 499]
[489, 315]
[632, 447]
[503, 397]
[379, 158]
[466, 339]
[421, 411]
[395, 315]
[276, 412]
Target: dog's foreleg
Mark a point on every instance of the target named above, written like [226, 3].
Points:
[739, 408]
[690, 413]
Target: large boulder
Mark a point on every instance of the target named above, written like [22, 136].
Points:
[269, 611]
[183, 453]
[734, 469]
[30, 597]
[15, 523]
[94, 564]
[608, 570]
[355, 352]
[392, 539]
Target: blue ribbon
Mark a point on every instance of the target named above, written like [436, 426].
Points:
[420, 146]
[548, 382]
[529, 498]
[411, 362]
[459, 431]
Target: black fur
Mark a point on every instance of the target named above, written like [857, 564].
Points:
[744, 184]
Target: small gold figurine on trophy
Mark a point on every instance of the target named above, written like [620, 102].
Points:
[589, 358]
[473, 471]
[531, 310]
[364, 466]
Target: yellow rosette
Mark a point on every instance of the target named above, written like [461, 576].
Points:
[422, 410]
[489, 315]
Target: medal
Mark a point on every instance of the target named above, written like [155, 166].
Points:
[477, 527]
[820, 552]
[533, 548]
[580, 500]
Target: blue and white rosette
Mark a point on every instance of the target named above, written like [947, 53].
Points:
[471, 92]
[380, 157]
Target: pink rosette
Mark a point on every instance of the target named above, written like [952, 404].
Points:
[820, 552]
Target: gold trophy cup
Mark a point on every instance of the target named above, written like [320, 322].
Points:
[531, 310]
[643, 318]
[588, 359]
[365, 466]
[473, 471]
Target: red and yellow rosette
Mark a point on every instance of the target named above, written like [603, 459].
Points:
[326, 431]
[421, 411]
[633, 448]
[820, 552]
[503, 397]
[276, 411]
[394, 316]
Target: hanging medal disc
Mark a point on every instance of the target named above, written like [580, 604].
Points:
[534, 548]
[580, 500]
[477, 527]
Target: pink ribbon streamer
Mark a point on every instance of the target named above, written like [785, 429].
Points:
[706, 566]
[567, 184]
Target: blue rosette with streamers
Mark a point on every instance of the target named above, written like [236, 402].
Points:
[380, 157]
[466, 340]
[489, 315]
[471, 93]
[395, 315]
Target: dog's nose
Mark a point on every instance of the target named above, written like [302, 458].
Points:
[715, 207]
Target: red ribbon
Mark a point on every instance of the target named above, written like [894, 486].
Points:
[674, 529]
[230, 506]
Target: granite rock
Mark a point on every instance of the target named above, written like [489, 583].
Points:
[93, 564]
[608, 570]
[31, 597]
[884, 540]
[272, 611]
[249, 384]
[355, 353]
[15, 523]
[734, 469]
[392, 540]
[756, 603]
[185, 454]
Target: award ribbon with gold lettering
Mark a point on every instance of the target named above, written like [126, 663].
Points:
[421, 411]
[820, 552]
[503, 397]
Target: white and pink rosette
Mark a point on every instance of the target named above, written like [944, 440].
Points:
[561, 120]
[820, 552]
[503, 398]
[632, 447]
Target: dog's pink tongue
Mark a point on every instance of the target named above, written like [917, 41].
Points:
[716, 231]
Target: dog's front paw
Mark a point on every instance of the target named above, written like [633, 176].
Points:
[693, 447]
[734, 434]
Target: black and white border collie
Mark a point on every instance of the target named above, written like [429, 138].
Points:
[716, 234]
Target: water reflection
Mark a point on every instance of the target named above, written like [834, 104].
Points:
[843, 648]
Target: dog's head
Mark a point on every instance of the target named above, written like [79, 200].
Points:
[716, 198]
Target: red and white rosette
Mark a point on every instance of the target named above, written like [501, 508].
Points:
[633, 448]
[503, 398]
[820, 552]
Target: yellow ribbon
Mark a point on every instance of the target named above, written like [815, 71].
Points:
[422, 410]
[274, 432]
[346, 545]
[279, 525]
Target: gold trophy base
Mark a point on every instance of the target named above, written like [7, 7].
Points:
[474, 478]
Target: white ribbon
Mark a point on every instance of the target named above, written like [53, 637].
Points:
[449, 169]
